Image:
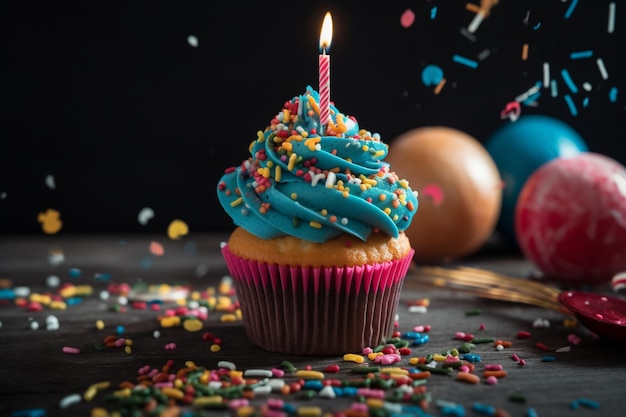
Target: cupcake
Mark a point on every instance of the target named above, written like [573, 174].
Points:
[318, 252]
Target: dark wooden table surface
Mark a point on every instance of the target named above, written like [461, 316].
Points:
[38, 378]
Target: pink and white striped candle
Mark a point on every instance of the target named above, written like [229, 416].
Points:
[324, 69]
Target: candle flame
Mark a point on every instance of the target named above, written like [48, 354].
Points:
[326, 35]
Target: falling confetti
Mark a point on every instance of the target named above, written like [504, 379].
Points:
[192, 41]
[407, 18]
[156, 249]
[50, 221]
[50, 182]
[145, 215]
[177, 229]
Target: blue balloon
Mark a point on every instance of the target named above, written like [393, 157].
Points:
[519, 148]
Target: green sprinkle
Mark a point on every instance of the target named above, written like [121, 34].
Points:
[473, 312]
[288, 366]
[483, 340]
[366, 369]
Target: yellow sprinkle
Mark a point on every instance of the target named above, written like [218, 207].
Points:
[374, 402]
[236, 202]
[382, 197]
[172, 393]
[372, 355]
[89, 393]
[99, 412]
[439, 358]
[414, 361]
[278, 172]
[228, 318]
[286, 116]
[294, 196]
[215, 348]
[315, 225]
[312, 142]
[341, 126]
[99, 324]
[246, 411]
[178, 383]
[308, 411]
[314, 104]
[128, 350]
[292, 161]
[208, 400]
[58, 305]
[170, 321]
[352, 357]
[309, 374]
[192, 325]
[124, 393]
[394, 370]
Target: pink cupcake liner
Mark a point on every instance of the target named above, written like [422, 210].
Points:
[317, 311]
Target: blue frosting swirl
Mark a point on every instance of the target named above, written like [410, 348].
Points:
[316, 182]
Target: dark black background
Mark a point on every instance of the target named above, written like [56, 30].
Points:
[112, 100]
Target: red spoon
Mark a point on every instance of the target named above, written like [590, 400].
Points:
[602, 314]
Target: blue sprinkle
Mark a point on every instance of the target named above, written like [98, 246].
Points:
[537, 26]
[471, 357]
[465, 61]
[570, 104]
[530, 412]
[72, 301]
[553, 89]
[433, 13]
[589, 403]
[102, 277]
[570, 9]
[432, 75]
[31, 412]
[7, 294]
[548, 359]
[568, 81]
[289, 408]
[74, 272]
[120, 329]
[313, 384]
[581, 54]
[484, 409]
[350, 391]
[613, 94]
[532, 98]
[586, 102]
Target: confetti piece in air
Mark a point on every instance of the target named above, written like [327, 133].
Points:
[570, 9]
[192, 41]
[524, 52]
[581, 54]
[3, 195]
[511, 111]
[144, 216]
[177, 229]
[465, 61]
[433, 191]
[432, 75]
[433, 13]
[50, 182]
[407, 18]
[602, 68]
[613, 94]
[610, 27]
[50, 221]
[546, 74]
[156, 249]
[568, 81]
[570, 103]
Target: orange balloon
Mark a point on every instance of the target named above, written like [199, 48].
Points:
[459, 191]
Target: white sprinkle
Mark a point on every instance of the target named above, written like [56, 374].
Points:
[104, 295]
[145, 215]
[602, 68]
[587, 86]
[331, 179]
[327, 392]
[53, 281]
[227, 365]
[564, 349]
[21, 292]
[418, 309]
[553, 90]
[483, 54]
[532, 90]
[70, 400]
[611, 24]
[50, 182]
[546, 74]
[156, 334]
[262, 390]
[276, 384]
[3, 195]
[476, 21]
[266, 373]
[34, 325]
[192, 41]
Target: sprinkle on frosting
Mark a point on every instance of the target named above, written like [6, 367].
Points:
[315, 187]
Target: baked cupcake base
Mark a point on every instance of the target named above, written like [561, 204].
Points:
[317, 310]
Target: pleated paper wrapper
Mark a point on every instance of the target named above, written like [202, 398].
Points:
[317, 311]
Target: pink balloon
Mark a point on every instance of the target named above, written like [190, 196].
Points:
[570, 219]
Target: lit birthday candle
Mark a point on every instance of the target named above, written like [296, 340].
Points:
[326, 36]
